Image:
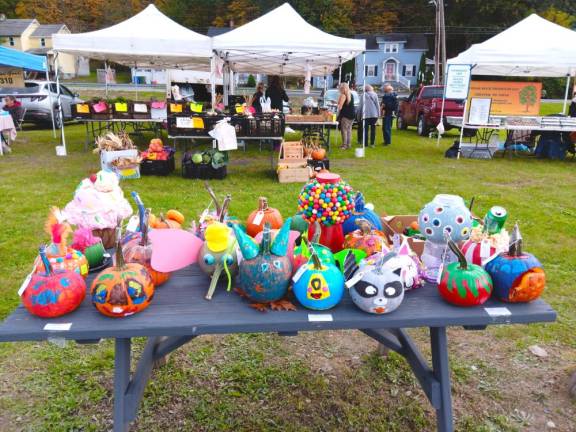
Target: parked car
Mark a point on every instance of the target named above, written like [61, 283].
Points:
[423, 109]
[330, 99]
[39, 98]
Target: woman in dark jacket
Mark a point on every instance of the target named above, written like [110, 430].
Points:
[255, 102]
[276, 93]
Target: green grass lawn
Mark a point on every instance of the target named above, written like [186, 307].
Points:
[257, 382]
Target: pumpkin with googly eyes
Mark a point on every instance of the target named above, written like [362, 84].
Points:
[445, 214]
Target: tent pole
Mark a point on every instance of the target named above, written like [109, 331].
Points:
[63, 135]
[213, 80]
[462, 128]
[339, 70]
[364, 106]
[106, 78]
[566, 94]
[226, 83]
[135, 67]
[50, 98]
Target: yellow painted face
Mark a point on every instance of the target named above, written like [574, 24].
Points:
[317, 288]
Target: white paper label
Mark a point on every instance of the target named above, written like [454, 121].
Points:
[140, 108]
[258, 218]
[184, 122]
[498, 311]
[133, 224]
[299, 273]
[24, 284]
[320, 317]
[57, 326]
[355, 279]
[439, 277]
[484, 249]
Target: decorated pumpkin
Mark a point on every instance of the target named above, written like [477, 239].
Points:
[374, 288]
[53, 293]
[361, 211]
[318, 285]
[478, 253]
[445, 214]
[464, 284]
[140, 252]
[302, 254]
[265, 272]
[262, 215]
[366, 238]
[299, 224]
[292, 237]
[124, 289]
[518, 276]
[60, 255]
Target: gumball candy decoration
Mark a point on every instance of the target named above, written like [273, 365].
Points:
[262, 215]
[124, 289]
[360, 211]
[328, 200]
[366, 238]
[464, 284]
[518, 276]
[318, 285]
[53, 293]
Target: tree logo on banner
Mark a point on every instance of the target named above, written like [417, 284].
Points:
[528, 96]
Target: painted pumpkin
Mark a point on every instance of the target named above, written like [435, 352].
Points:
[317, 285]
[464, 284]
[262, 215]
[299, 224]
[446, 214]
[122, 290]
[302, 253]
[360, 211]
[473, 251]
[72, 260]
[374, 288]
[264, 274]
[53, 293]
[518, 276]
[140, 252]
[292, 237]
[366, 238]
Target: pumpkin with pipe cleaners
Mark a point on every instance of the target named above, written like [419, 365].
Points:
[207, 217]
[302, 251]
[366, 238]
[360, 211]
[318, 285]
[53, 293]
[265, 272]
[140, 252]
[464, 284]
[262, 215]
[517, 275]
[60, 255]
[124, 289]
[374, 288]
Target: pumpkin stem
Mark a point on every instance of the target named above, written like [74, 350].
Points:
[266, 239]
[224, 210]
[45, 260]
[314, 256]
[364, 226]
[262, 203]
[454, 248]
[119, 255]
[515, 245]
[317, 232]
[213, 197]
[141, 209]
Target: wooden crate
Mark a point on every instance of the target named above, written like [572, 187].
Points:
[294, 175]
[291, 150]
[292, 166]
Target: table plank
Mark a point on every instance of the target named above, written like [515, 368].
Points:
[179, 308]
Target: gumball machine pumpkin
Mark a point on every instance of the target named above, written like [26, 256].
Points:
[518, 276]
[462, 283]
[53, 293]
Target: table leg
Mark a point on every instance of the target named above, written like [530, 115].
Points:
[87, 140]
[121, 382]
[441, 366]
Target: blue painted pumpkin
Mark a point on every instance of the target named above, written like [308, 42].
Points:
[361, 212]
[320, 286]
[265, 272]
[445, 214]
[518, 276]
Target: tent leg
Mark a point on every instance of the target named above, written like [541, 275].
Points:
[566, 94]
[61, 114]
[50, 99]
[213, 80]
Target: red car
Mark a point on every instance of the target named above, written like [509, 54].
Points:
[423, 107]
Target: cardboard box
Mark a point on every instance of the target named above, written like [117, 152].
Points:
[395, 224]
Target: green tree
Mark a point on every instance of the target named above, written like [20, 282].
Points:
[528, 96]
[251, 82]
[559, 17]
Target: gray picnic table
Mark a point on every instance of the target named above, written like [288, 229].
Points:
[179, 313]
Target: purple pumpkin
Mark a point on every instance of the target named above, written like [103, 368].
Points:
[361, 212]
[265, 272]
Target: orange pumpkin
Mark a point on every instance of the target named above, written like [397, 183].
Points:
[366, 238]
[164, 223]
[260, 216]
[175, 215]
[318, 153]
[124, 289]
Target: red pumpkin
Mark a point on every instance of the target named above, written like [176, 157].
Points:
[366, 238]
[262, 215]
[52, 293]
[122, 290]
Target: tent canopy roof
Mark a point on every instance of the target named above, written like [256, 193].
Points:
[18, 59]
[533, 47]
[281, 42]
[148, 39]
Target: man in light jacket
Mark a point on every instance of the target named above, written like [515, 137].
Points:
[369, 111]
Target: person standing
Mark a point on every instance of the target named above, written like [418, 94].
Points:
[346, 114]
[255, 102]
[276, 93]
[389, 107]
[369, 111]
[572, 108]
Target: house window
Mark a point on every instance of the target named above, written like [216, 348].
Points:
[371, 70]
[391, 48]
[409, 70]
[11, 41]
[42, 42]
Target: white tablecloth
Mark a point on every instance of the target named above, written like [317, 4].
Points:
[7, 124]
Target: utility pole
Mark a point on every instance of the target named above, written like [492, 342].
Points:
[439, 43]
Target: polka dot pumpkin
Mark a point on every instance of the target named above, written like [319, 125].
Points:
[445, 214]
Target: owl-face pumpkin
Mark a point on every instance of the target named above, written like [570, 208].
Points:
[445, 214]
